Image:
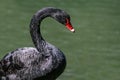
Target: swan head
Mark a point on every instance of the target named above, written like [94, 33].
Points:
[63, 18]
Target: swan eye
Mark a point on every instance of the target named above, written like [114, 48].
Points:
[60, 19]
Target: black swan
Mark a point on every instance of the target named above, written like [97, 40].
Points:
[45, 61]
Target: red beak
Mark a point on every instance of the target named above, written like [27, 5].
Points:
[69, 26]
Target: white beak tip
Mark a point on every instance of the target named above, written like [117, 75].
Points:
[72, 30]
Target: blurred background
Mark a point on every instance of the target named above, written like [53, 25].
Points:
[93, 52]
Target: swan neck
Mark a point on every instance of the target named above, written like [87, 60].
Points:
[37, 38]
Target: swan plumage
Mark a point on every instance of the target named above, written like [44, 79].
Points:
[44, 61]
